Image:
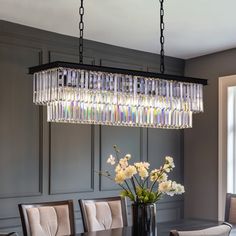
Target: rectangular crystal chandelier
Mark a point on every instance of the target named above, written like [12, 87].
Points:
[88, 94]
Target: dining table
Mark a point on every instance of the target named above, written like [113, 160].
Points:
[162, 229]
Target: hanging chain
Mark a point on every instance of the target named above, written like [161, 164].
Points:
[162, 39]
[81, 31]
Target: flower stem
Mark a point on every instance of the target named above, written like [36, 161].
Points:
[138, 182]
[105, 175]
[135, 190]
[152, 186]
[144, 182]
[129, 188]
[116, 152]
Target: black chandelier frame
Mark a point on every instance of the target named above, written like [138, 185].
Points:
[77, 66]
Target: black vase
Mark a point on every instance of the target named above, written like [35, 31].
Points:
[144, 219]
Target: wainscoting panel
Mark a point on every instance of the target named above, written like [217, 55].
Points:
[128, 140]
[163, 143]
[41, 162]
[72, 158]
[170, 211]
[20, 162]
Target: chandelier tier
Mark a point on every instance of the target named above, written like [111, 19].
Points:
[88, 94]
[77, 93]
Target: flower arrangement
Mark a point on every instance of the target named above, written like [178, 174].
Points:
[138, 183]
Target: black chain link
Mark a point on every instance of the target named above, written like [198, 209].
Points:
[162, 39]
[81, 31]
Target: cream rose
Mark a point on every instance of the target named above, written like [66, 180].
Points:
[130, 171]
[120, 177]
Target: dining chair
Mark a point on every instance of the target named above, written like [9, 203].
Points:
[48, 218]
[221, 230]
[230, 208]
[103, 213]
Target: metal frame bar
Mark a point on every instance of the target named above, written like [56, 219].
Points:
[70, 65]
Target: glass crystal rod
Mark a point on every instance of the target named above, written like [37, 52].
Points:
[89, 96]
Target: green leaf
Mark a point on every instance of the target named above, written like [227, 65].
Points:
[139, 191]
[146, 199]
[124, 193]
[152, 196]
[127, 193]
[131, 197]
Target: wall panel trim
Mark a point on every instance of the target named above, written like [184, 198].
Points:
[40, 127]
[82, 190]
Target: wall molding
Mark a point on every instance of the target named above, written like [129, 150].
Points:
[101, 188]
[82, 190]
[40, 147]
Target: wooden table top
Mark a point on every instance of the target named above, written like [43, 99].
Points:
[163, 229]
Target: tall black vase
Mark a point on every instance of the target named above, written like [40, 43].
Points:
[144, 219]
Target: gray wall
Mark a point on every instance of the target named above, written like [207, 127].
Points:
[201, 142]
[47, 162]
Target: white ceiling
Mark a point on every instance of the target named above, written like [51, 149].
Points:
[193, 27]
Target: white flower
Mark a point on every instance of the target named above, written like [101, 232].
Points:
[167, 168]
[130, 171]
[111, 160]
[146, 165]
[163, 178]
[118, 168]
[143, 173]
[179, 189]
[169, 164]
[171, 188]
[155, 175]
[158, 175]
[142, 165]
[128, 156]
[142, 168]
[120, 177]
[172, 191]
[123, 163]
[165, 187]
[170, 161]
[124, 173]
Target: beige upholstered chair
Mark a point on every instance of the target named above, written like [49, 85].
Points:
[230, 208]
[221, 230]
[48, 219]
[103, 213]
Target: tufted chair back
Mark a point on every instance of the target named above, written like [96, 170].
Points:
[221, 230]
[48, 219]
[103, 213]
[230, 208]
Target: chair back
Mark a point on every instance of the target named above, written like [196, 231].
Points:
[103, 213]
[174, 233]
[221, 230]
[47, 219]
[230, 208]
[9, 234]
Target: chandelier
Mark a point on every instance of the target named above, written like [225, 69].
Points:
[88, 94]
